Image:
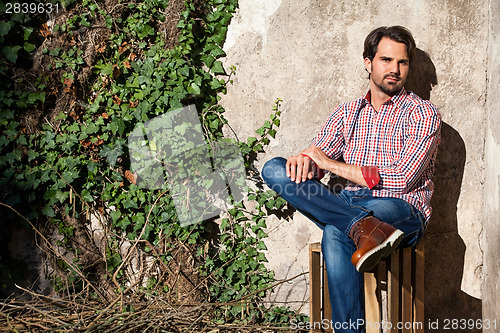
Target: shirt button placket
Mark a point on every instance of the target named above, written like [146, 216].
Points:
[373, 130]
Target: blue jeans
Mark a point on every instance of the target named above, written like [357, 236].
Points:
[335, 213]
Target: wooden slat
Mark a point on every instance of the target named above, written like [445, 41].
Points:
[419, 288]
[406, 300]
[381, 276]
[393, 287]
[327, 306]
[315, 284]
[372, 306]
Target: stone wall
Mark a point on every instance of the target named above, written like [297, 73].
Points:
[309, 53]
[491, 234]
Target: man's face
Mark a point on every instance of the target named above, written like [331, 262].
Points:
[389, 68]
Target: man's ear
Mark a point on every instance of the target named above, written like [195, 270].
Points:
[368, 65]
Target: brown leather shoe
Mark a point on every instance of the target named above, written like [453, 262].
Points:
[374, 240]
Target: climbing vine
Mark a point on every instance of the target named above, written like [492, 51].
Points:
[74, 85]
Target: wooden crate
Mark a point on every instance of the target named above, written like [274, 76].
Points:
[394, 292]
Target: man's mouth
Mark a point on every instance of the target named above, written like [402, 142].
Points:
[392, 78]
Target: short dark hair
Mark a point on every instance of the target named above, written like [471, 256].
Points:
[396, 33]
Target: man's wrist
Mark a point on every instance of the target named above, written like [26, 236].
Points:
[354, 173]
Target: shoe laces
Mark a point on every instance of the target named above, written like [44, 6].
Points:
[358, 232]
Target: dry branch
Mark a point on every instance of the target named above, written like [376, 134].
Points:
[141, 314]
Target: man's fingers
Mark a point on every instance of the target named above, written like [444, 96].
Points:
[291, 166]
[298, 176]
[298, 168]
[305, 167]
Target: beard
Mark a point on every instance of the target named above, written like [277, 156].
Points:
[389, 87]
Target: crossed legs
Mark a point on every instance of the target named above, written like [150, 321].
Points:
[336, 213]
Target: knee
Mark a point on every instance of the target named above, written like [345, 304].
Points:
[274, 171]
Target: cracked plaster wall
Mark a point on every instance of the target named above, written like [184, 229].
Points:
[308, 53]
[491, 233]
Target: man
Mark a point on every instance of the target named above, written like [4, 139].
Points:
[388, 142]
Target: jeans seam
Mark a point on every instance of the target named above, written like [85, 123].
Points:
[417, 213]
[408, 218]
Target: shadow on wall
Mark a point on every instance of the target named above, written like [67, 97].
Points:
[444, 248]
[422, 76]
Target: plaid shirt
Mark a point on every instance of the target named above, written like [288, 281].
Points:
[400, 141]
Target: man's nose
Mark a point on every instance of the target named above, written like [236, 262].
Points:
[395, 67]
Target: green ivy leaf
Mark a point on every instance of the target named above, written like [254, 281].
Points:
[27, 32]
[5, 27]
[11, 52]
[261, 131]
[86, 196]
[115, 215]
[208, 60]
[129, 203]
[123, 223]
[112, 153]
[194, 89]
[261, 246]
[261, 257]
[48, 211]
[217, 68]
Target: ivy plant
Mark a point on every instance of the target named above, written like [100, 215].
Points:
[64, 151]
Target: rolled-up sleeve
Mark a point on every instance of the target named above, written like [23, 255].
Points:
[420, 143]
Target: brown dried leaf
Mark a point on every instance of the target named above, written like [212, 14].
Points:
[44, 31]
[131, 177]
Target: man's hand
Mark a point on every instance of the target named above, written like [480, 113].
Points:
[299, 168]
[318, 156]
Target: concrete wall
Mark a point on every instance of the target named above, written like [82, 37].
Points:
[491, 233]
[309, 53]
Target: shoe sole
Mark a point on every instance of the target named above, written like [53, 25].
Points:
[371, 258]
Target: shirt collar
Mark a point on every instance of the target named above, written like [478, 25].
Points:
[397, 99]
